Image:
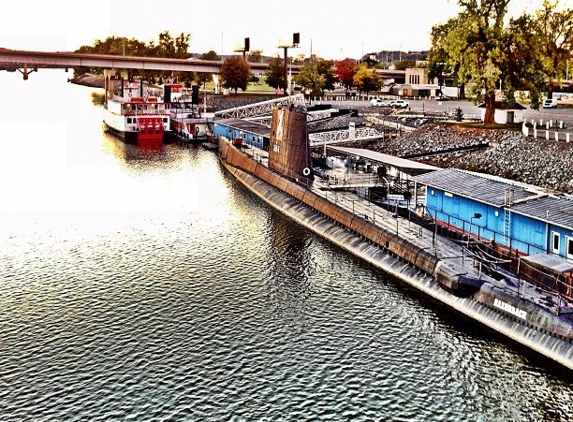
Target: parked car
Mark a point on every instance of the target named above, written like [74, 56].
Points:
[378, 102]
[550, 103]
[399, 103]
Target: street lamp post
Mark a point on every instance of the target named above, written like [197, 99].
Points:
[285, 47]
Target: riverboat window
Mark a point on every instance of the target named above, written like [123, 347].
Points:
[569, 247]
[129, 120]
[165, 120]
[555, 242]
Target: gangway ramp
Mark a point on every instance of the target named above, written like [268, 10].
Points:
[263, 108]
[343, 135]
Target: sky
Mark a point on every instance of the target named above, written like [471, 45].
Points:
[331, 29]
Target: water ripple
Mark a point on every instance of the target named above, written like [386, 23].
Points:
[213, 307]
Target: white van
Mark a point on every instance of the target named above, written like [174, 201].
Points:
[550, 103]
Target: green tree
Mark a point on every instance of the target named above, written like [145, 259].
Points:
[345, 71]
[203, 77]
[473, 44]
[275, 74]
[210, 55]
[554, 32]
[117, 46]
[404, 64]
[367, 80]
[309, 78]
[325, 68]
[255, 56]
[235, 73]
[522, 70]
[173, 48]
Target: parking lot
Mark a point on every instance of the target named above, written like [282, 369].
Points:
[470, 109]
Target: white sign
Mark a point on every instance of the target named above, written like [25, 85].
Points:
[504, 306]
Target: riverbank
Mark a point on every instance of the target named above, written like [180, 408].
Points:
[510, 154]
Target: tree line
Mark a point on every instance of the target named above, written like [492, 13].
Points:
[489, 57]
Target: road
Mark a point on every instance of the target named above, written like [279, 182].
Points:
[434, 106]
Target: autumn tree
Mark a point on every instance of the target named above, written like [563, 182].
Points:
[275, 74]
[345, 71]
[235, 73]
[309, 78]
[367, 80]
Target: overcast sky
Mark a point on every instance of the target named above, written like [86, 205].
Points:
[331, 29]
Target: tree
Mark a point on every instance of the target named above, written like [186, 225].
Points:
[255, 56]
[118, 46]
[210, 55]
[309, 78]
[554, 32]
[367, 80]
[324, 67]
[173, 48]
[202, 77]
[275, 74]
[404, 64]
[522, 71]
[473, 44]
[345, 71]
[235, 73]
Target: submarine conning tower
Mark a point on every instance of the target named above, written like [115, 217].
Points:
[289, 150]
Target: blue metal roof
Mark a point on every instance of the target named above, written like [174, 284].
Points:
[246, 125]
[553, 209]
[530, 201]
[475, 186]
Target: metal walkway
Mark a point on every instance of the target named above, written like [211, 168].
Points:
[263, 108]
[344, 135]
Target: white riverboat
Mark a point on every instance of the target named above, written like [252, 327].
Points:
[136, 117]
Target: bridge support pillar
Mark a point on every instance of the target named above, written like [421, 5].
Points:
[25, 72]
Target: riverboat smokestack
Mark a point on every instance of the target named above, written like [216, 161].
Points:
[289, 152]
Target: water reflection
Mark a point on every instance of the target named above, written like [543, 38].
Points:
[291, 266]
[150, 285]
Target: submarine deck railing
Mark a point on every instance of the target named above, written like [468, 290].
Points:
[441, 247]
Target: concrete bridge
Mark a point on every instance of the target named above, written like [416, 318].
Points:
[29, 61]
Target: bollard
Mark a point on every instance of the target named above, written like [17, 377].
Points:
[534, 133]
[547, 135]
[547, 124]
[540, 122]
[561, 124]
[556, 136]
[525, 130]
[567, 137]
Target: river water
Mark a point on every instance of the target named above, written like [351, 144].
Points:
[149, 285]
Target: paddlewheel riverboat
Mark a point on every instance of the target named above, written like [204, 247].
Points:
[136, 117]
